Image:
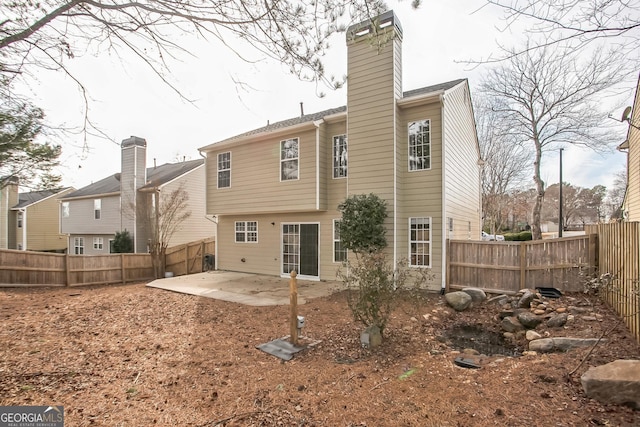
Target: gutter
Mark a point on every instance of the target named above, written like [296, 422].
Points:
[443, 285]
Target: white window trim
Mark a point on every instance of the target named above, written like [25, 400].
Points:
[409, 147]
[20, 219]
[430, 241]
[66, 209]
[333, 156]
[222, 170]
[97, 209]
[78, 242]
[245, 232]
[98, 243]
[333, 247]
[287, 160]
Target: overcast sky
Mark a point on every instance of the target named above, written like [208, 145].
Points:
[127, 99]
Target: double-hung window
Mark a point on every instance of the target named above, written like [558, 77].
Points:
[289, 157]
[420, 242]
[65, 209]
[246, 231]
[340, 156]
[224, 170]
[78, 245]
[339, 252]
[420, 145]
[98, 243]
[20, 218]
[97, 208]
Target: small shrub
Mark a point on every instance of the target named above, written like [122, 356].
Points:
[518, 237]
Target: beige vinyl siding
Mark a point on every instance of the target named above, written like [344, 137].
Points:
[8, 199]
[255, 178]
[461, 170]
[197, 226]
[88, 243]
[81, 216]
[43, 225]
[632, 199]
[420, 192]
[132, 177]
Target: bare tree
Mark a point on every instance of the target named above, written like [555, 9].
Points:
[503, 161]
[548, 98]
[45, 34]
[615, 196]
[578, 22]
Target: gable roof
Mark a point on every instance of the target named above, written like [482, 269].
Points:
[156, 176]
[307, 118]
[32, 197]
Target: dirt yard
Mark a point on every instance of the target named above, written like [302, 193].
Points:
[136, 356]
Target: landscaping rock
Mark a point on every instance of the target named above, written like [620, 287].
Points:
[371, 337]
[511, 324]
[617, 382]
[476, 294]
[558, 321]
[532, 335]
[500, 299]
[526, 299]
[529, 320]
[546, 345]
[459, 301]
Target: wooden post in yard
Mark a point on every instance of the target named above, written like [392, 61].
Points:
[293, 302]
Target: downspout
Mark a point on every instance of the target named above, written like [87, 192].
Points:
[135, 199]
[444, 199]
[24, 228]
[317, 124]
[395, 183]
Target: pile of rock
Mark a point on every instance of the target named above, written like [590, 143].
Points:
[521, 314]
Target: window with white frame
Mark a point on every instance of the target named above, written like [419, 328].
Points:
[420, 242]
[224, 170]
[78, 245]
[339, 251]
[65, 209]
[20, 218]
[340, 156]
[419, 145]
[289, 156]
[246, 231]
[98, 243]
[97, 208]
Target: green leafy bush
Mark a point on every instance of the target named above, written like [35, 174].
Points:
[522, 236]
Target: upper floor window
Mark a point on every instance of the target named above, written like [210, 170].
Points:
[246, 231]
[97, 207]
[98, 243]
[420, 242]
[289, 156]
[224, 170]
[340, 156]
[20, 218]
[419, 145]
[78, 245]
[65, 209]
[339, 251]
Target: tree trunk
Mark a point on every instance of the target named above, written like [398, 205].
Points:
[536, 231]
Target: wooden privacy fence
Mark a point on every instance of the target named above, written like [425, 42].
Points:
[189, 258]
[507, 267]
[48, 269]
[619, 258]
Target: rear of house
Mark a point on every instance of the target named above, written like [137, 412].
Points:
[275, 190]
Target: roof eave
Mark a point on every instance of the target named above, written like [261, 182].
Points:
[424, 98]
[90, 196]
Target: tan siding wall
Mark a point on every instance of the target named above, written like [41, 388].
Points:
[88, 244]
[8, 199]
[230, 253]
[195, 227]
[81, 217]
[420, 192]
[461, 173]
[132, 177]
[633, 191]
[43, 225]
[255, 178]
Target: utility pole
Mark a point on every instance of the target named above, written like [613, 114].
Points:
[560, 219]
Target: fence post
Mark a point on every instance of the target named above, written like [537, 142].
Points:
[186, 259]
[67, 267]
[293, 302]
[523, 265]
[122, 269]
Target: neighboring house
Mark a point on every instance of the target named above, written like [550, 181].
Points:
[631, 205]
[92, 215]
[275, 190]
[8, 199]
[38, 221]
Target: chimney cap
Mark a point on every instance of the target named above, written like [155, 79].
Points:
[382, 21]
[134, 141]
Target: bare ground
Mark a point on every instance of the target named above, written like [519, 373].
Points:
[136, 356]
